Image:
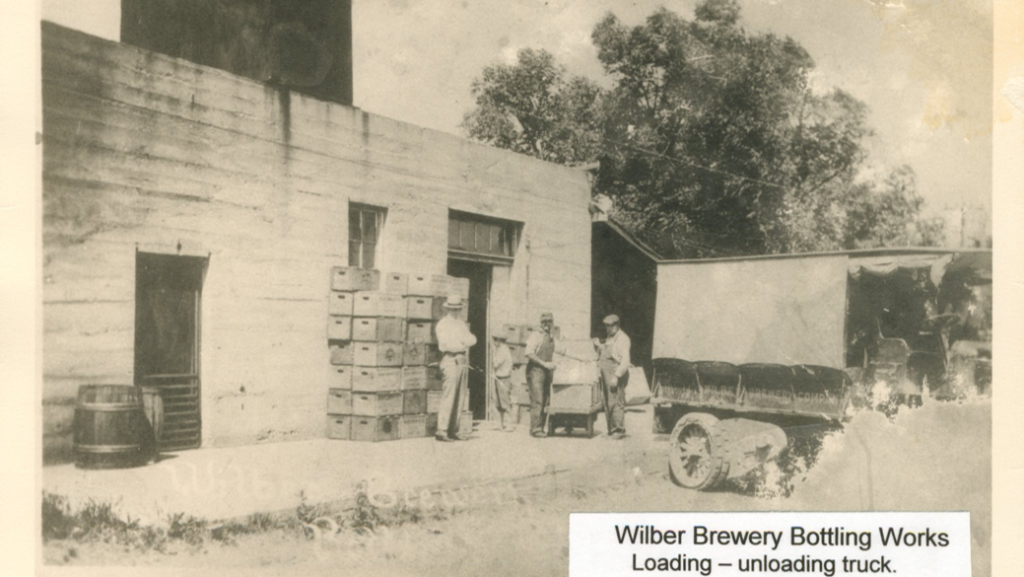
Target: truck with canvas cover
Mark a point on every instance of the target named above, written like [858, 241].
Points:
[790, 342]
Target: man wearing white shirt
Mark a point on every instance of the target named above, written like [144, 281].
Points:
[613, 361]
[453, 340]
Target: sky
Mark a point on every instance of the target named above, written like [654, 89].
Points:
[923, 67]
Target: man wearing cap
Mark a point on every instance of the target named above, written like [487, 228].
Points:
[613, 362]
[540, 349]
[453, 340]
[502, 361]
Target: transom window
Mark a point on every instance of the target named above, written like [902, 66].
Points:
[364, 225]
[481, 235]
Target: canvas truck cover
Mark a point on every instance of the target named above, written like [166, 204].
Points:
[787, 311]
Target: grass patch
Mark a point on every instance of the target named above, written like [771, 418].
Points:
[97, 522]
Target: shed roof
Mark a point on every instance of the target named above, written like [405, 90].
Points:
[631, 239]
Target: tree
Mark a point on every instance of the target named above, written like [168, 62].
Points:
[889, 215]
[719, 146]
[535, 108]
[712, 140]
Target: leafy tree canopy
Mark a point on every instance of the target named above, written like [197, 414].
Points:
[536, 108]
[711, 139]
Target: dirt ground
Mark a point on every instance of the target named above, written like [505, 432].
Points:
[936, 457]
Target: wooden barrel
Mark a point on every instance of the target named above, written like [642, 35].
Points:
[153, 404]
[110, 427]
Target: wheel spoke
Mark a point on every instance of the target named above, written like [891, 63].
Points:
[692, 461]
[693, 452]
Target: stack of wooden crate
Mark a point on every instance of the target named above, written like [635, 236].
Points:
[386, 384]
[425, 297]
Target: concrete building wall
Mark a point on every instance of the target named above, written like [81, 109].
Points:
[145, 152]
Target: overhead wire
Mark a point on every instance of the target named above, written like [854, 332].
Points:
[694, 165]
[720, 172]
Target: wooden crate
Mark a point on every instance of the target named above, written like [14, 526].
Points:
[339, 427]
[378, 304]
[395, 283]
[428, 285]
[339, 328]
[341, 377]
[414, 378]
[519, 375]
[434, 355]
[529, 330]
[520, 394]
[414, 354]
[420, 332]
[339, 303]
[375, 429]
[575, 398]
[339, 402]
[437, 311]
[433, 401]
[518, 353]
[378, 354]
[423, 308]
[459, 286]
[377, 404]
[523, 414]
[378, 330]
[350, 278]
[341, 352]
[376, 379]
[435, 379]
[431, 424]
[513, 334]
[414, 402]
[579, 349]
[412, 427]
[466, 424]
[573, 372]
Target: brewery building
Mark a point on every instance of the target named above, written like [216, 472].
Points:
[206, 179]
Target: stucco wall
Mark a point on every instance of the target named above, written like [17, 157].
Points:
[145, 152]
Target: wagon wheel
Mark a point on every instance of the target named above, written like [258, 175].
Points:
[696, 457]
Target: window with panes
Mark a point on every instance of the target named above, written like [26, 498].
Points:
[364, 228]
[480, 235]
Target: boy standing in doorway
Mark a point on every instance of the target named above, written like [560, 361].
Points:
[503, 382]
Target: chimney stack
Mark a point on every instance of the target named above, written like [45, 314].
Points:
[302, 45]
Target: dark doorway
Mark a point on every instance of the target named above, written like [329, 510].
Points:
[168, 292]
[479, 275]
[624, 282]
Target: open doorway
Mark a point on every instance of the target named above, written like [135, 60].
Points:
[479, 275]
[168, 292]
